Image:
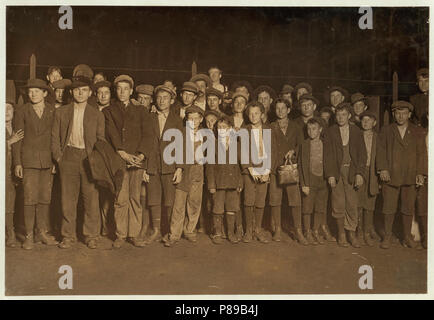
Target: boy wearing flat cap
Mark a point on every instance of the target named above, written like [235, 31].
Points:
[368, 192]
[103, 94]
[127, 130]
[359, 105]
[163, 177]
[265, 95]
[188, 193]
[189, 93]
[308, 105]
[239, 103]
[420, 100]
[335, 96]
[203, 82]
[400, 162]
[33, 162]
[344, 167]
[77, 127]
[60, 93]
[214, 99]
[145, 93]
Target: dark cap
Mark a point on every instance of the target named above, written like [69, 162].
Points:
[145, 89]
[368, 113]
[201, 77]
[286, 89]
[265, 88]
[308, 96]
[82, 70]
[81, 81]
[305, 85]
[401, 104]
[190, 86]
[194, 109]
[326, 109]
[102, 83]
[61, 84]
[343, 91]
[212, 112]
[36, 83]
[214, 92]
[422, 72]
[356, 97]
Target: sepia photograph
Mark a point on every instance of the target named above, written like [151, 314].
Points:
[217, 150]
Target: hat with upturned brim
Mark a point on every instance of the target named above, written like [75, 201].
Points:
[61, 84]
[308, 96]
[81, 81]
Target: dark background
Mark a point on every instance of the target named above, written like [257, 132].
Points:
[323, 46]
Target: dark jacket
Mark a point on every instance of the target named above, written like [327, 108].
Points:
[420, 103]
[34, 151]
[304, 163]
[403, 158]
[128, 129]
[333, 151]
[371, 175]
[107, 167]
[156, 163]
[93, 125]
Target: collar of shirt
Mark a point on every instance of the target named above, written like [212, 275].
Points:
[164, 114]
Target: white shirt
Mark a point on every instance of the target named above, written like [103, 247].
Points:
[76, 139]
[345, 134]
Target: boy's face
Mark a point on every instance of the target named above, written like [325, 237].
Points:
[201, 85]
[37, 95]
[265, 99]
[103, 95]
[326, 116]
[301, 92]
[255, 114]
[124, 91]
[9, 112]
[239, 104]
[54, 76]
[59, 95]
[368, 123]
[313, 130]
[98, 77]
[210, 120]
[336, 97]
[144, 99]
[213, 102]
[342, 117]
[359, 107]
[164, 100]
[423, 83]
[81, 94]
[282, 110]
[307, 107]
[187, 97]
[402, 116]
[215, 75]
[196, 118]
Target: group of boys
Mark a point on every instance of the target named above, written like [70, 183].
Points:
[113, 151]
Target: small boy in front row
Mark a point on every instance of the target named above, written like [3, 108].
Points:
[369, 190]
[312, 180]
[345, 166]
[225, 183]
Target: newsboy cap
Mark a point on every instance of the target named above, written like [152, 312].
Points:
[401, 104]
[286, 89]
[369, 114]
[124, 78]
[102, 83]
[36, 83]
[202, 77]
[145, 89]
[424, 72]
[214, 92]
[165, 88]
[190, 86]
[81, 81]
[62, 84]
[212, 112]
[240, 94]
[356, 97]
[82, 70]
[305, 85]
[308, 96]
[265, 88]
[194, 109]
[343, 91]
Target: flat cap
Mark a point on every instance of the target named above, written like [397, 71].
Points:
[265, 88]
[368, 113]
[165, 88]
[212, 112]
[82, 70]
[343, 91]
[36, 83]
[201, 77]
[356, 97]
[102, 83]
[10, 92]
[286, 89]
[214, 92]
[190, 86]
[124, 78]
[308, 96]
[145, 89]
[326, 109]
[61, 84]
[424, 72]
[81, 81]
[194, 109]
[305, 85]
[401, 104]
[240, 94]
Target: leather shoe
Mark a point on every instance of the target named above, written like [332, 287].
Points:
[92, 244]
[66, 243]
